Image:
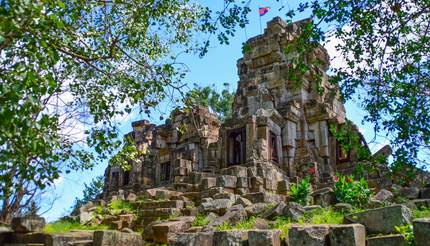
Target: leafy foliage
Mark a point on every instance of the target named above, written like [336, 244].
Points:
[349, 140]
[322, 216]
[69, 68]
[241, 225]
[348, 190]
[218, 102]
[201, 220]
[421, 213]
[92, 192]
[283, 224]
[408, 232]
[301, 192]
[385, 49]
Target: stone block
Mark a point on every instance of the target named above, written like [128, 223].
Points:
[342, 207]
[384, 196]
[237, 171]
[116, 238]
[324, 197]
[425, 193]
[28, 224]
[256, 209]
[409, 192]
[192, 239]
[233, 215]
[160, 204]
[294, 211]
[226, 181]
[283, 187]
[207, 183]
[347, 235]
[276, 211]
[256, 183]
[391, 240]
[164, 230]
[245, 202]
[422, 231]
[258, 197]
[230, 238]
[312, 235]
[381, 220]
[264, 237]
[218, 206]
[84, 238]
[242, 182]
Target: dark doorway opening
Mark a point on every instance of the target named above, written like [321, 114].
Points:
[165, 171]
[273, 143]
[115, 179]
[236, 146]
[126, 179]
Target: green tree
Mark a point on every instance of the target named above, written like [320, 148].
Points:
[76, 65]
[92, 192]
[385, 48]
[218, 102]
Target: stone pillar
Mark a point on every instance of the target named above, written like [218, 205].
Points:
[289, 135]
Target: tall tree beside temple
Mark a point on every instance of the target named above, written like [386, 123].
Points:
[69, 68]
[385, 66]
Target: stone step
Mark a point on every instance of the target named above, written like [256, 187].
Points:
[144, 205]
[81, 243]
[161, 213]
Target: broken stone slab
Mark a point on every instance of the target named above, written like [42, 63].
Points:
[230, 196]
[312, 235]
[116, 238]
[218, 206]
[192, 239]
[28, 224]
[283, 186]
[230, 238]
[264, 237]
[347, 235]
[422, 231]
[164, 230]
[69, 238]
[86, 212]
[381, 220]
[419, 203]
[227, 181]
[260, 224]
[256, 209]
[5, 227]
[311, 208]
[274, 212]
[384, 195]
[294, 211]
[245, 202]
[324, 197]
[391, 240]
[233, 215]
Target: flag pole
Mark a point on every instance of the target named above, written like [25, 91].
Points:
[261, 29]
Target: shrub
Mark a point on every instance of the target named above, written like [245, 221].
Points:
[348, 190]
[200, 220]
[241, 225]
[117, 206]
[322, 216]
[421, 213]
[301, 192]
[283, 224]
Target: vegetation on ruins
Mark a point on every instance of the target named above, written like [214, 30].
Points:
[66, 225]
[385, 49]
[408, 233]
[354, 192]
[218, 102]
[69, 69]
[200, 220]
[241, 225]
[301, 192]
[92, 192]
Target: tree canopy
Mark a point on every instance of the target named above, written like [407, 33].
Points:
[69, 68]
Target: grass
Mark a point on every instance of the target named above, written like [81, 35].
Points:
[242, 225]
[200, 220]
[283, 224]
[322, 216]
[116, 206]
[421, 213]
[66, 226]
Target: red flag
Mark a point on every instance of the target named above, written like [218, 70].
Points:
[263, 10]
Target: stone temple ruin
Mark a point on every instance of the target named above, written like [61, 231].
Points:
[278, 132]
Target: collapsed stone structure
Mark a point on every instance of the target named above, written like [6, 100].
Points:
[278, 128]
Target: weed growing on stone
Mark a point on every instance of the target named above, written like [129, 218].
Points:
[68, 225]
[283, 224]
[117, 206]
[301, 192]
[200, 220]
[408, 232]
[242, 225]
[421, 213]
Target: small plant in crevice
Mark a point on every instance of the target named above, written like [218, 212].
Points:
[283, 224]
[301, 192]
[201, 220]
[354, 192]
[407, 232]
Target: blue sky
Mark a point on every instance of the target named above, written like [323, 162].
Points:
[217, 67]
